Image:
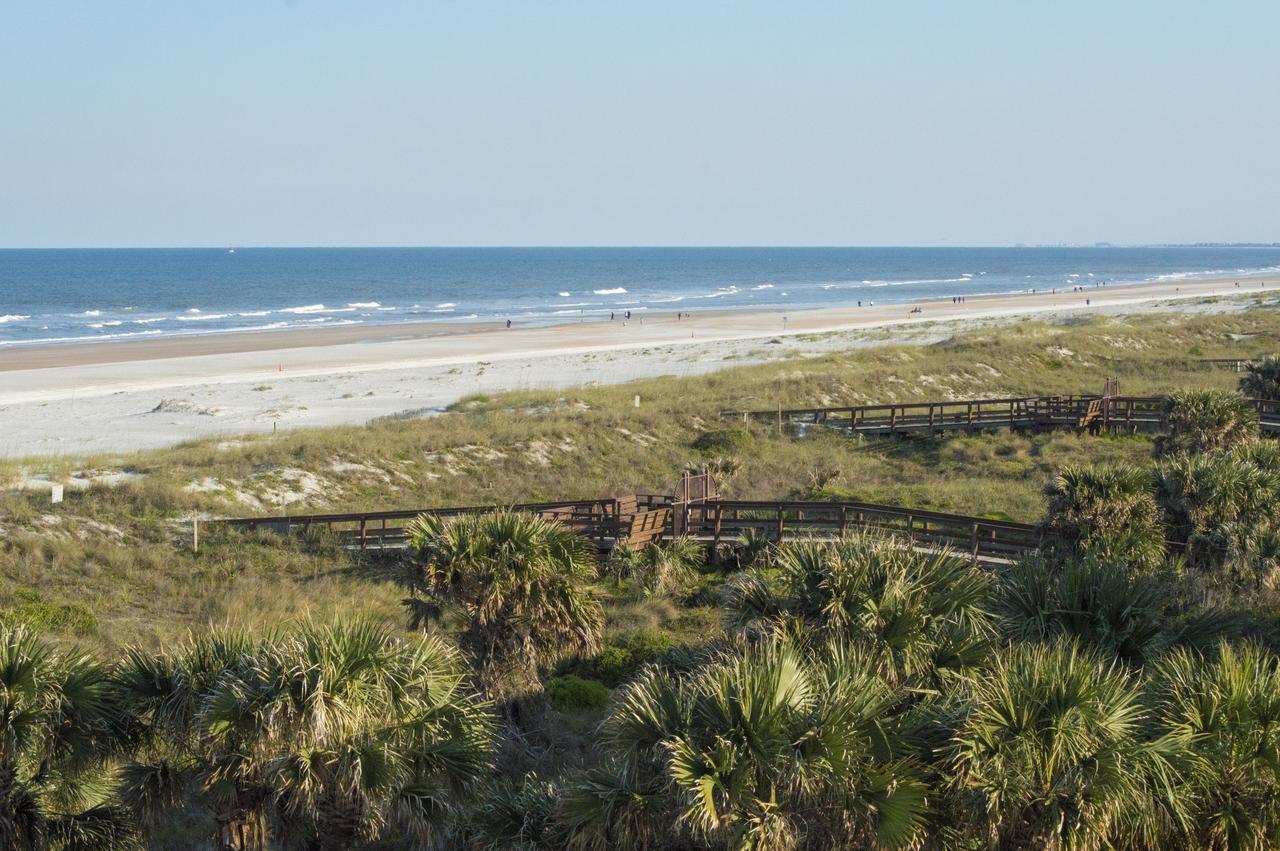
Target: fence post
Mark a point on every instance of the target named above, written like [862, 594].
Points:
[195, 534]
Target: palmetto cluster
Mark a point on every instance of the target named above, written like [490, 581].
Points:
[518, 584]
[331, 735]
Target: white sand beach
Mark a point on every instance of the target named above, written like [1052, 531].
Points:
[76, 400]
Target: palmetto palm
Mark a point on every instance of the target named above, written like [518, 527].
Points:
[165, 695]
[766, 748]
[517, 816]
[1262, 380]
[58, 727]
[1219, 502]
[1132, 616]
[1054, 755]
[1108, 511]
[520, 584]
[657, 569]
[921, 614]
[1205, 421]
[342, 733]
[359, 732]
[1229, 708]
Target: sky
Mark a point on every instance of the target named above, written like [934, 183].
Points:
[264, 122]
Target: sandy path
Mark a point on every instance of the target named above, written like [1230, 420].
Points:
[74, 400]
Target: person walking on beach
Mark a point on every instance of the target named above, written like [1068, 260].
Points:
[508, 323]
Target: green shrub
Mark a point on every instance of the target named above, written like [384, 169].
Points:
[575, 694]
[621, 658]
[996, 515]
[39, 614]
[725, 441]
[613, 664]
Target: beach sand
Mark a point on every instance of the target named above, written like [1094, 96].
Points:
[74, 400]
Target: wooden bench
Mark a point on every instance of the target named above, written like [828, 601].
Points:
[647, 527]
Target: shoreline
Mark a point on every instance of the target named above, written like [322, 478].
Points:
[715, 323]
[118, 397]
[17, 355]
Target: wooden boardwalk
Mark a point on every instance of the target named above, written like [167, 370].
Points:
[602, 521]
[1233, 364]
[984, 539]
[714, 521]
[1091, 413]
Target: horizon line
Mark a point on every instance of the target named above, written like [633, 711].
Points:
[633, 246]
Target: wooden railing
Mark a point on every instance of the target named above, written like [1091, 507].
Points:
[725, 520]
[1233, 364]
[713, 522]
[598, 519]
[1107, 413]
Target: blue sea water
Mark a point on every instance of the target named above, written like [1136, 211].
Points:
[81, 295]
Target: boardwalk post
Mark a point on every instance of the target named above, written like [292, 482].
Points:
[779, 418]
[363, 538]
[780, 512]
[844, 519]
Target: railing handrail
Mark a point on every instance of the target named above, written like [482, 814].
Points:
[870, 507]
[903, 410]
[401, 514]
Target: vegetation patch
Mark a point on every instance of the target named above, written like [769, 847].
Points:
[570, 693]
[724, 441]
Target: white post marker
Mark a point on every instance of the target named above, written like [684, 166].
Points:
[55, 494]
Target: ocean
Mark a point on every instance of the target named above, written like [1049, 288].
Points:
[90, 295]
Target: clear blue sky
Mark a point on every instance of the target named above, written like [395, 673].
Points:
[470, 122]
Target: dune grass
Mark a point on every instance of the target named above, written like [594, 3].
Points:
[112, 565]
